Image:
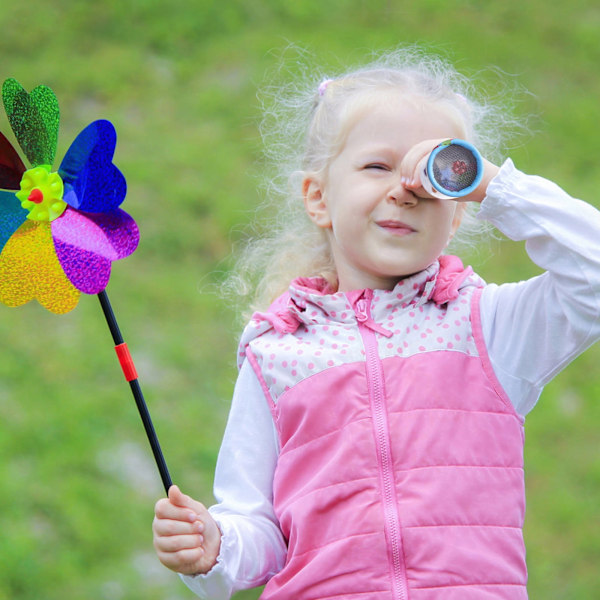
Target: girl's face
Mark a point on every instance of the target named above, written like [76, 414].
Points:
[379, 231]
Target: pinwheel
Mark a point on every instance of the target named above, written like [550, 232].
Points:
[60, 231]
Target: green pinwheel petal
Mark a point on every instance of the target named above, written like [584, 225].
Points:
[34, 119]
[47, 104]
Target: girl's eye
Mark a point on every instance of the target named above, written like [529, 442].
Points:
[377, 167]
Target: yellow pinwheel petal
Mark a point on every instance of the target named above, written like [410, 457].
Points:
[29, 269]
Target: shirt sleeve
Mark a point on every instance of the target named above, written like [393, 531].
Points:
[253, 548]
[534, 328]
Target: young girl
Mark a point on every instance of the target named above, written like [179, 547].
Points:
[374, 448]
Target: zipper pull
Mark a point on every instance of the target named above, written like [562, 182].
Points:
[361, 311]
[363, 317]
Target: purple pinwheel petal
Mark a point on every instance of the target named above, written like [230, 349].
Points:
[86, 245]
[92, 182]
[12, 216]
[87, 271]
[11, 166]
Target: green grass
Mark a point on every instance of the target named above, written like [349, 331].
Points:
[179, 81]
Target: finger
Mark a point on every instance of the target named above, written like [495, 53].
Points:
[178, 498]
[175, 495]
[164, 509]
[176, 543]
[187, 561]
[414, 182]
[167, 527]
[414, 162]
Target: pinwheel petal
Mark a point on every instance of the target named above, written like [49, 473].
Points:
[87, 271]
[11, 166]
[29, 269]
[92, 182]
[86, 244]
[12, 216]
[43, 98]
[34, 118]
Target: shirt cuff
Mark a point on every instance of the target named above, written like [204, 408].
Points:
[216, 584]
[497, 188]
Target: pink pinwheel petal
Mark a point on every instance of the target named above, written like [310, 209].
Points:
[113, 235]
[86, 244]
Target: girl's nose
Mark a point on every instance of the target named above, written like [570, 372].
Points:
[401, 196]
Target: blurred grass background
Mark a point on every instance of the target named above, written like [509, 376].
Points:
[179, 81]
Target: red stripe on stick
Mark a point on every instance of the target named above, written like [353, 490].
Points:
[126, 362]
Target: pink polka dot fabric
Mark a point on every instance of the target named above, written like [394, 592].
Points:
[326, 332]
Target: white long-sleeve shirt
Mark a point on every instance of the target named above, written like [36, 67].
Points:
[532, 330]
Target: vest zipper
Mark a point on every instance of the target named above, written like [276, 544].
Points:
[377, 397]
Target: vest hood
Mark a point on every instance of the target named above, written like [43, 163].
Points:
[311, 300]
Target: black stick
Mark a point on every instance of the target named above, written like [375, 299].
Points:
[131, 376]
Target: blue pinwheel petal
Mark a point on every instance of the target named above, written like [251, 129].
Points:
[12, 216]
[92, 182]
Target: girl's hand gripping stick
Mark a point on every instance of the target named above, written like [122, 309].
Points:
[454, 169]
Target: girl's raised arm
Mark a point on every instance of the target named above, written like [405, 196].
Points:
[534, 328]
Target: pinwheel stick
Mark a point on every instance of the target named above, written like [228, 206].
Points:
[132, 377]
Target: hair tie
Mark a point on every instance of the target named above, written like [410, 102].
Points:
[323, 86]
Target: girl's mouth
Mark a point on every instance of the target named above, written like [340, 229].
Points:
[395, 227]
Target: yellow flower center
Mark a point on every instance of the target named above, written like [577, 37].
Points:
[41, 194]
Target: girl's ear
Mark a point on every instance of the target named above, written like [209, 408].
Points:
[314, 201]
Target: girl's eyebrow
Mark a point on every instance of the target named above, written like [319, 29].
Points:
[376, 153]
[379, 150]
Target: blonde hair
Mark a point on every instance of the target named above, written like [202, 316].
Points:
[303, 129]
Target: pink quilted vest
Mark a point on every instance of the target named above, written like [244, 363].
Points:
[401, 467]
